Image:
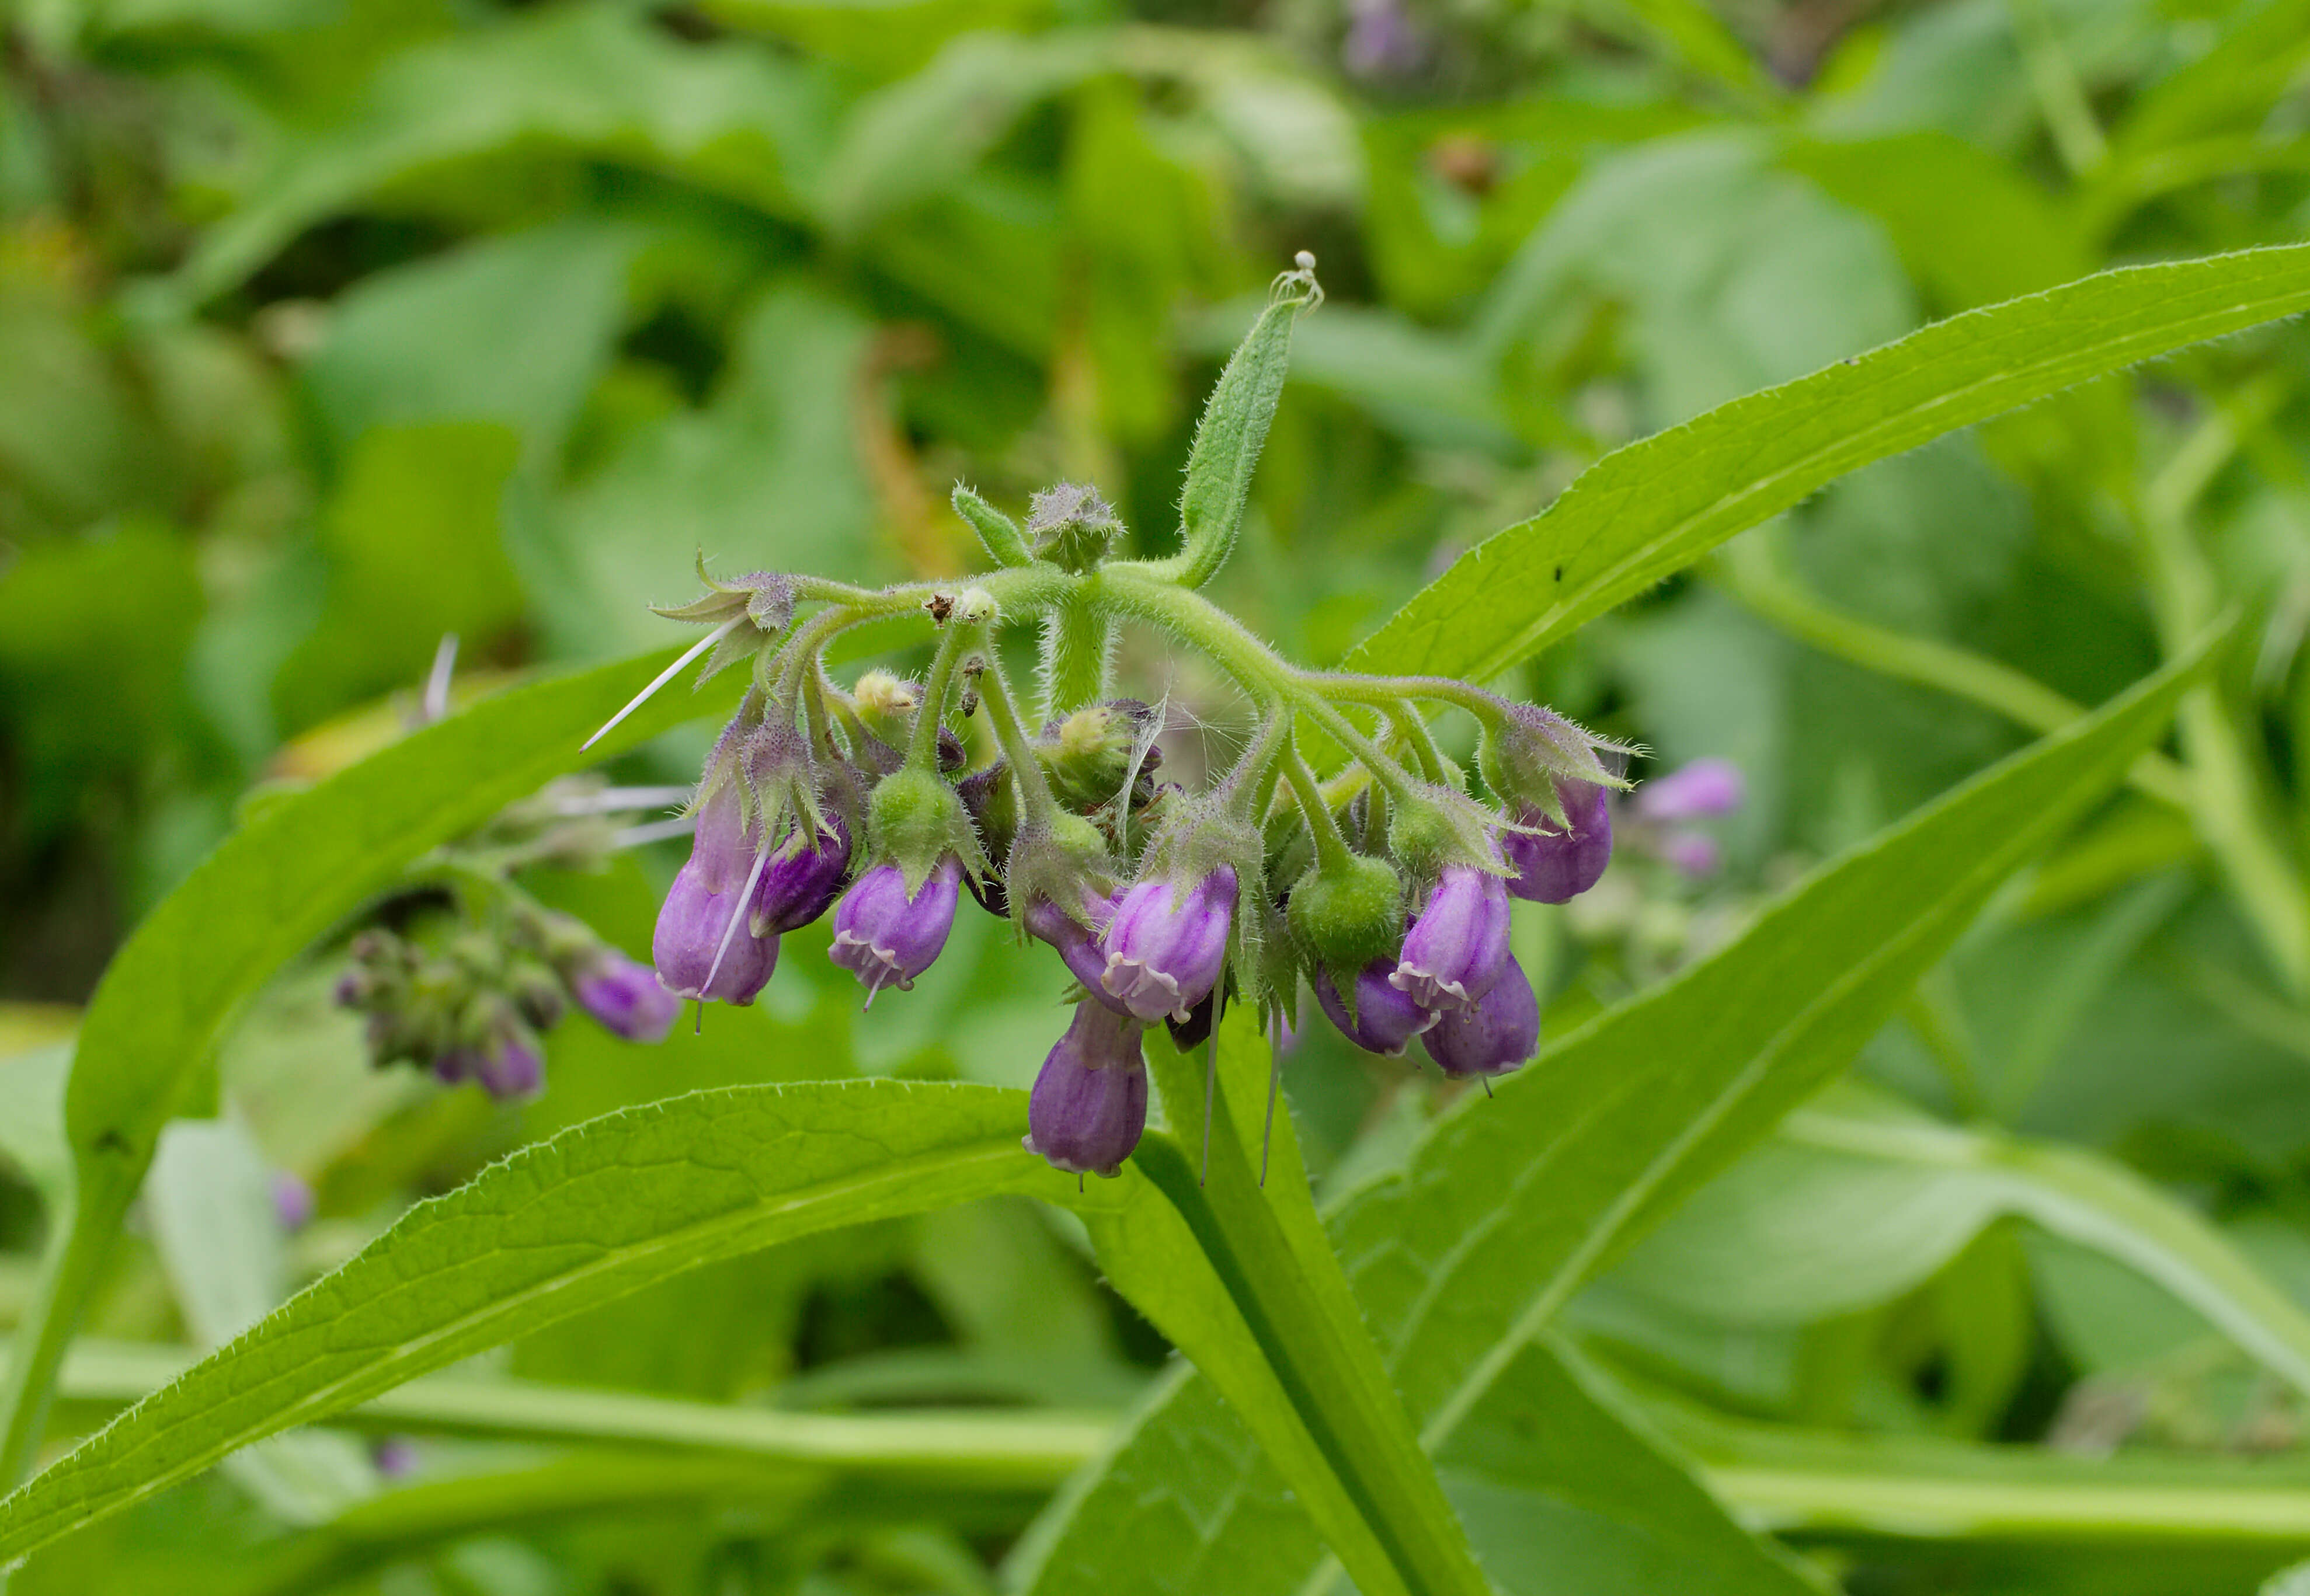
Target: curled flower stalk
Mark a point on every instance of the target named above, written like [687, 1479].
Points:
[1163, 905]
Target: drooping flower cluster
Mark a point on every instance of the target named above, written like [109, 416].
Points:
[471, 1004]
[1386, 885]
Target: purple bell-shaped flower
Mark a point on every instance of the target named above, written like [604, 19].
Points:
[886, 937]
[703, 946]
[1090, 1103]
[1498, 1033]
[1557, 864]
[1166, 946]
[1077, 940]
[1387, 1017]
[800, 883]
[1457, 947]
[625, 997]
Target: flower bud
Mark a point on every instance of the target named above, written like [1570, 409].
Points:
[1347, 915]
[1556, 864]
[1088, 755]
[1385, 1018]
[1090, 1103]
[699, 952]
[1071, 526]
[1166, 944]
[886, 937]
[510, 1065]
[800, 883]
[1500, 1032]
[1693, 791]
[625, 997]
[1456, 948]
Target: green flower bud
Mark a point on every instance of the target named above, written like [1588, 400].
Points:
[1348, 915]
[1072, 526]
[1088, 755]
[913, 820]
[887, 704]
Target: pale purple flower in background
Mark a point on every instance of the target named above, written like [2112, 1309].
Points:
[1702, 788]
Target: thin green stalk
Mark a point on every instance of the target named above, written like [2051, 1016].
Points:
[1751, 572]
[1037, 807]
[1330, 848]
[1258, 669]
[2061, 97]
[1077, 647]
[2228, 807]
[921, 751]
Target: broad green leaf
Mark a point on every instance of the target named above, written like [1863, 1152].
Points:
[1645, 511]
[1857, 1198]
[413, 548]
[296, 869]
[1510, 1203]
[1264, 1240]
[208, 1201]
[512, 329]
[597, 1211]
[591, 79]
[1568, 1489]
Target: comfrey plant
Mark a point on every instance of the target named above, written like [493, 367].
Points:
[465, 972]
[1384, 882]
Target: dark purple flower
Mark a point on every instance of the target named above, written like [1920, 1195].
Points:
[511, 1066]
[1499, 1033]
[1386, 1016]
[1556, 864]
[1457, 947]
[1166, 946]
[1691, 791]
[886, 937]
[1077, 942]
[703, 948]
[1089, 1102]
[457, 1065]
[800, 883]
[625, 997]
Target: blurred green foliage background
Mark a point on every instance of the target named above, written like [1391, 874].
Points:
[328, 328]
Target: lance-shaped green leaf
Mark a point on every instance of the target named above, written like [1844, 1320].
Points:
[1509, 1202]
[295, 870]
[1646, 511]
[1232, 432]
[602, 1210]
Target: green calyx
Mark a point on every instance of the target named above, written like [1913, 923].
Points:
[1072, 526]
[1346, 913]
[1429, 830]
[914, 819]
[1064, 861]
